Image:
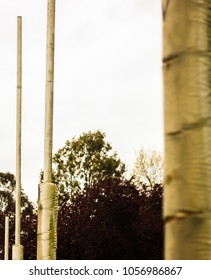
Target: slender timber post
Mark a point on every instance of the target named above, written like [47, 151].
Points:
[47, 197]
[6, 239]
[187, 113]
[17, 250]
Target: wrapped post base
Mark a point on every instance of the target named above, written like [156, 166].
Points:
[17, 252]
[47, 221]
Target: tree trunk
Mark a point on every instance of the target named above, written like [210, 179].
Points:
[187, 113]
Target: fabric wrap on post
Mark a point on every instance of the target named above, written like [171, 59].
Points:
[187, 111]
[47, 223]
[17, 252]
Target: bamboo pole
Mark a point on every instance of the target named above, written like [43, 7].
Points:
[18, 248]
[187, 113]
[47, 196]
[6, 239]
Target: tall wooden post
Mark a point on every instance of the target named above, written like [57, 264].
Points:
[47, 197]
[187, 80]
[6, 239]
[17, 252]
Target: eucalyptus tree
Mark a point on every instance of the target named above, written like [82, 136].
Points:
[84, 161]
[187, 80]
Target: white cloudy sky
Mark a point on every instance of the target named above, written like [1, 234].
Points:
[108, 76]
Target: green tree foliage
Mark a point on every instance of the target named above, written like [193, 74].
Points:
[28, 221]
[84, 161]
[7, 191]
[112, 220]
[7, 195]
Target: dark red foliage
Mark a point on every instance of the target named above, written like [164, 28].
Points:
[112, 220]
[28, 234]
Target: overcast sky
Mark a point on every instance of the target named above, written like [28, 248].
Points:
[108, 76]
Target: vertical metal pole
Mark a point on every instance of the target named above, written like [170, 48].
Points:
[6, 239]
[47, 198]
[18, 248]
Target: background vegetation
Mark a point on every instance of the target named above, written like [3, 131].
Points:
[102, 215]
